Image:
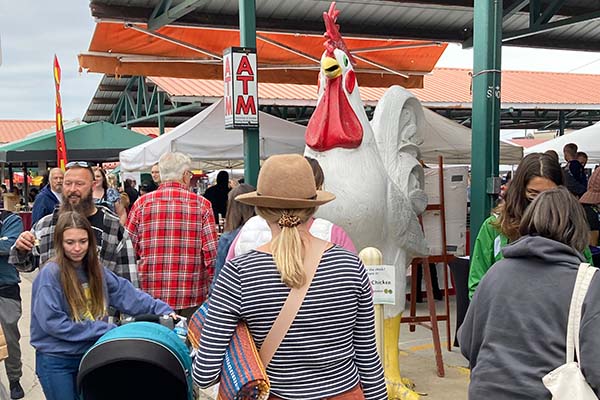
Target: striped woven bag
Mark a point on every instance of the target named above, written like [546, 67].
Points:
[243, 376]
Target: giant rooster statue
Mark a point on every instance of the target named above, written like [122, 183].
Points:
[373, 170]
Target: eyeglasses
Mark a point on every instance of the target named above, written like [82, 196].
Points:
[80, 164]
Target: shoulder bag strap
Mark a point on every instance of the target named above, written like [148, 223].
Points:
[579, 292]
[292, 304]
[585, 284]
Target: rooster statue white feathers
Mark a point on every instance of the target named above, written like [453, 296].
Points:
[373, 170]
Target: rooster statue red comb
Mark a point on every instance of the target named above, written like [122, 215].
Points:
[332, 33]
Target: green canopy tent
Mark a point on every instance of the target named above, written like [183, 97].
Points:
[100, 142]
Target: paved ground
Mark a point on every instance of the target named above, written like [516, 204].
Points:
[417, 360]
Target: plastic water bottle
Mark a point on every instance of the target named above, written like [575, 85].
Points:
[181, 328]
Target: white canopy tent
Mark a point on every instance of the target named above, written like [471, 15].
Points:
[206, 140]
[453, 141]
[586, 139]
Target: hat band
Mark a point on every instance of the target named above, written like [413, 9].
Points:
[283, 198]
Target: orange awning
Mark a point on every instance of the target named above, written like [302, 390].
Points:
[191, 52]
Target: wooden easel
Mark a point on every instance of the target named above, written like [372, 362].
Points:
[431, 321]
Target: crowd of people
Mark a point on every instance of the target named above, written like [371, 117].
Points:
[523, 271]
[102, 252]
[99, 256]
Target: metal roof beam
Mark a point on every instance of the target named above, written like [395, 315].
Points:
[269, 24]
[163, 113]
[397, 47]
[98, 113]
[514, 8]
[287, 48]
[523, 33]
[550, 11]
[164, 15]
[111, 88]
[524, 36]
[535, 7]
[173, 41]
[105, 100]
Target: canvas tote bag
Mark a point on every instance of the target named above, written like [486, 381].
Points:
[567, 382]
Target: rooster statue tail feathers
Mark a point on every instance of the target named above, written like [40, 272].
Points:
[397, 125]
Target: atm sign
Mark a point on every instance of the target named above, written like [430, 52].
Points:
[241, 88]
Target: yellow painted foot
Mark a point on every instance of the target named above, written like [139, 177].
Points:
[397, 390]
[408, 383]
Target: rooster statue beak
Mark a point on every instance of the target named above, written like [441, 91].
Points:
[330, 67]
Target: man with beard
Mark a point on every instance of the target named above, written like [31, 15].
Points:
[115, 249]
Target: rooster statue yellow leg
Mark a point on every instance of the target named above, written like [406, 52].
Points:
[397, 387]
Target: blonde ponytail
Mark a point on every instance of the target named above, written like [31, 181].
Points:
[287, 247]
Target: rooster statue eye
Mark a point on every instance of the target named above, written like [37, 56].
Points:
[345, 61]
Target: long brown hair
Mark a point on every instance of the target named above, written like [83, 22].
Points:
[74, 293]
[287, 247]
[238, 213]
[512, 209]
[103, 173]
[556, 214]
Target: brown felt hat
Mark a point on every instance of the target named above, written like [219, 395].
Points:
[592, 196]
[286, 181]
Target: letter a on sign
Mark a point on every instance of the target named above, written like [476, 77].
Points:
[244, 67]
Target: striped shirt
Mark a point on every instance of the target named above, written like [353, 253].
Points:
[330, 346]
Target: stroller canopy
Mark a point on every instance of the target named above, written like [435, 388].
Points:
[140, 360]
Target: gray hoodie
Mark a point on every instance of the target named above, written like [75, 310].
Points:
[515, 330]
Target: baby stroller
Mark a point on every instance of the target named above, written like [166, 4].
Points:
[140, 360]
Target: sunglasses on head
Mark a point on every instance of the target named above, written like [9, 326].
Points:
[81, 164]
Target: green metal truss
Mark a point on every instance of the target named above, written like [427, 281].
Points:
[164, 14]
[139, 103]
[540, 15]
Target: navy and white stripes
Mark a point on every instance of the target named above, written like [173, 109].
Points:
[330, 347]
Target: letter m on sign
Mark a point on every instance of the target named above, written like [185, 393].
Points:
[246, 105]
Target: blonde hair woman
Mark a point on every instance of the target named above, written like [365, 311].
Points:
[329, 350]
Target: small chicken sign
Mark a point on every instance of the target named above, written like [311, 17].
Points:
[241, 88]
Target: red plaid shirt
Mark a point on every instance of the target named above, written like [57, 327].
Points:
[174, 236]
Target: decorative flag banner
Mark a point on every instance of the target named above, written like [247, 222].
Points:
[61, 147]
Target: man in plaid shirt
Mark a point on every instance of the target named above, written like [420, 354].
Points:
[173, 233]
[33, 248]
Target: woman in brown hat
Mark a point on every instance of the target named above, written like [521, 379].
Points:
[591, 204]
[329, 350]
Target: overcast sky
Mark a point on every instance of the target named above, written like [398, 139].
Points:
[32, 31]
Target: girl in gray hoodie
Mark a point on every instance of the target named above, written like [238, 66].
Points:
[515, 330]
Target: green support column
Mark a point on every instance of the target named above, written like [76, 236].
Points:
[485, 151]
[561, 123]
[251, 136]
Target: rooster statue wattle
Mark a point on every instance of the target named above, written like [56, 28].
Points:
[373, 170]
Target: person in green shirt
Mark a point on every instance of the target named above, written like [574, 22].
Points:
[536, 173]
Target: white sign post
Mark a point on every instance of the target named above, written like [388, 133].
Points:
[383, 281]
[241, 88]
